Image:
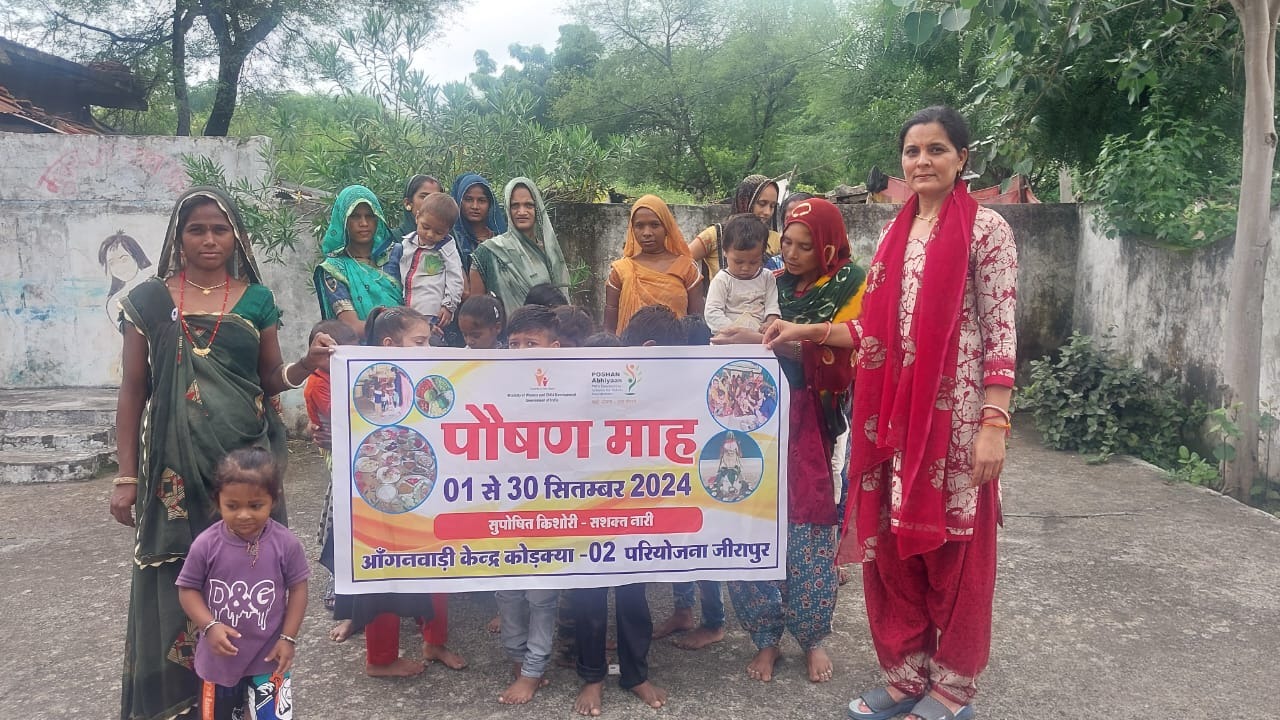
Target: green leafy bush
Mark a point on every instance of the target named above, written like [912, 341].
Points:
[272, 224]
[1088, 402]
[1191, 468]
[1176, 186]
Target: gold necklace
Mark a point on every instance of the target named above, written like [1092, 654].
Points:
[202, 288]
[929, 220]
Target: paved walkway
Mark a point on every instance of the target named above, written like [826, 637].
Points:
[1120, 596]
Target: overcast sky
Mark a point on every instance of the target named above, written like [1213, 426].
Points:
[492, 25]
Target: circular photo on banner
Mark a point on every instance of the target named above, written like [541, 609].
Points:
[742, 396]
[394, 469]
[434, 396]
[731, 466]
[383, 394]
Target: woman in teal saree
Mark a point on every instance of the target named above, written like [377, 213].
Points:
[361, 268]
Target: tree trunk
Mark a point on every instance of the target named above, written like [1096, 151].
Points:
[224, 99]
[1242, 339]
[182, 19]
[235, 42]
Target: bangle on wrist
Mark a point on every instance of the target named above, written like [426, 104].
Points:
[125, 480]
[1004, 413]
[289, 639]
[1006, 427]
[826, 335]
[284, 376]
[210, 624]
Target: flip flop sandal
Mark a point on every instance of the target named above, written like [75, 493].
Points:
[882, 705]
[930, 709]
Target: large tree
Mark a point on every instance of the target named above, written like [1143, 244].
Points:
[1242, 368]
[1154, 49]
[703, 87]
[170, 41]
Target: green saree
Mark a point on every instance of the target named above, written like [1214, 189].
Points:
[198, 409]
[512, 263]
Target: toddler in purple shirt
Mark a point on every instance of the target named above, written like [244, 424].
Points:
[244, 583]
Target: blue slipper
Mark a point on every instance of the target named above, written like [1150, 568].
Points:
[930, 709]
[882, 705]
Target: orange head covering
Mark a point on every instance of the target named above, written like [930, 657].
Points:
[675, 239]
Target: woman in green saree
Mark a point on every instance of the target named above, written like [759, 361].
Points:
[201, 362]
[361, 268]
[526, 255]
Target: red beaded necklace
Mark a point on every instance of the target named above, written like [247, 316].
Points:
[182, 318]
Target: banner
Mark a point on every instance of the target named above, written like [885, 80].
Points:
[464, 470]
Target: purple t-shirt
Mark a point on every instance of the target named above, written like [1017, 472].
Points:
[249, 599]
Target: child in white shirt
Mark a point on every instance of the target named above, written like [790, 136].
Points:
[742, 293]
[431, 268]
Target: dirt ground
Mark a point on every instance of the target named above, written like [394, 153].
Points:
[1120, 596]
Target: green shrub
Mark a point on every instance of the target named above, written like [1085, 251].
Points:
[1175, 186]
[1195, 470]
[1088, 402]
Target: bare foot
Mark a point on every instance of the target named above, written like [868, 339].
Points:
[521, 691]
[699, 638]
[442, 654]
[341, 631]
[494, 626]
[402, 667]
[681, 620]
[820, 667]
[650, 694]
[843, 574]
[588, 702]
[761, 667]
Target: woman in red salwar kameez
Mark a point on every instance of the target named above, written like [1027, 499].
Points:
[935, 367]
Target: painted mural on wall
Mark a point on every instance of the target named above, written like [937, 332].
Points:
[82, 220]
[123, 260]
[63, 316]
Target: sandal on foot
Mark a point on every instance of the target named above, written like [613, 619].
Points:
[882, 705]
[929, 708]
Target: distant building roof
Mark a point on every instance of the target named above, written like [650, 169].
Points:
[40, 92]
[21, 116]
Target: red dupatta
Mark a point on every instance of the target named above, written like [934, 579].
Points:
[900, 398]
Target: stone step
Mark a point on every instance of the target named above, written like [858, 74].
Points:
[48, 465]
[60, 437]
[48, 407]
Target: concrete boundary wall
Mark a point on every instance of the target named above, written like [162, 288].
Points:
[62, 197]
[1047, 237]
[1165, 311]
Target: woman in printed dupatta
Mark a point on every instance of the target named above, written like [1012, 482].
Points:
[201, 362]
[480, 217]
[361, 269]
[936, 344]
[526, 255]
[818, 284]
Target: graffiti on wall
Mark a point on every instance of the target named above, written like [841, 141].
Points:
[63, 175]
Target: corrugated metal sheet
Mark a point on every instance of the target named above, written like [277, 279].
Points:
[38, 119]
